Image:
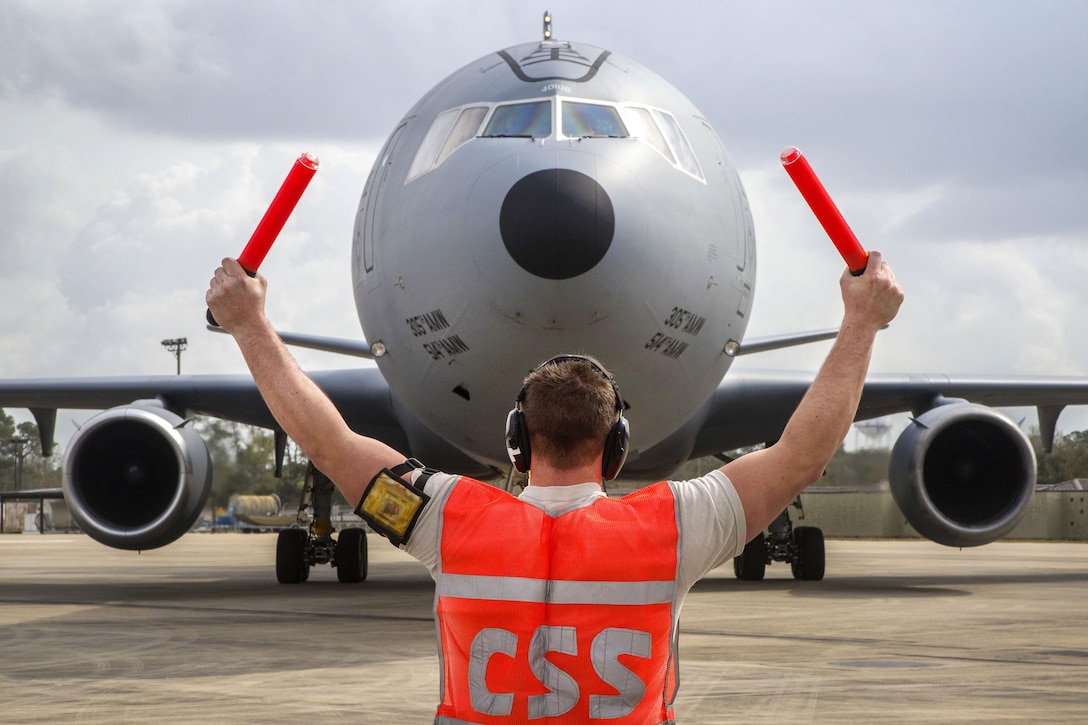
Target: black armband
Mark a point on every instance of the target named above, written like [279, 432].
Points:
[391, 505]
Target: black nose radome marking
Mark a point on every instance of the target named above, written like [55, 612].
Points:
[557, 223]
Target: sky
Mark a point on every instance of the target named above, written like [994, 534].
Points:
[140, 142]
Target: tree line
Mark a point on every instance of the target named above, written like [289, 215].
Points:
[864, 467]
[38, 471]
[243, 461]
[868, 467]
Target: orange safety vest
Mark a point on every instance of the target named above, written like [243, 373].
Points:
[565, 619]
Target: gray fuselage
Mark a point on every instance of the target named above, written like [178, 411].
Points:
[552, 198]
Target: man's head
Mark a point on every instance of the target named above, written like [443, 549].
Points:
[570, 409]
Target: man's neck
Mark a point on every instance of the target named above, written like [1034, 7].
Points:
[543, 474]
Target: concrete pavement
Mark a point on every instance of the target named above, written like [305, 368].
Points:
[898, 632]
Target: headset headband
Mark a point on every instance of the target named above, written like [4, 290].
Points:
[584, 358]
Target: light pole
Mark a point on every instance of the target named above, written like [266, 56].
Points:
[176, 346]
[17, 446]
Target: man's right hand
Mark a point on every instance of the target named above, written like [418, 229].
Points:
[235, 298]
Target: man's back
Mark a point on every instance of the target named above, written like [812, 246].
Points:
[557, 616]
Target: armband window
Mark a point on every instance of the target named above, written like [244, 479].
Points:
[392, 505]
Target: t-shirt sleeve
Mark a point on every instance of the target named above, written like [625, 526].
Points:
[712, 525]
[423, 543]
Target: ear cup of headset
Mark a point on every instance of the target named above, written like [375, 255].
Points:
[615, 449]
[517, 440]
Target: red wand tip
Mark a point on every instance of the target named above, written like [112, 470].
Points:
[824, 208]
[298, 178]
[281, 207]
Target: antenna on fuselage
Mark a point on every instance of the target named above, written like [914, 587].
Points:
[547, 25]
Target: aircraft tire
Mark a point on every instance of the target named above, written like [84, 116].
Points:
[291, 565]
[351, 556]
[751, 565]
[809, 563]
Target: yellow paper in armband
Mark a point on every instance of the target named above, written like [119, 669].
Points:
[390, 506]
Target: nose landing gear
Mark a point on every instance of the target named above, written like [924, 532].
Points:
[802, 547]
[298, 549]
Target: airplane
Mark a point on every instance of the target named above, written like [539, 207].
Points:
[550, 197]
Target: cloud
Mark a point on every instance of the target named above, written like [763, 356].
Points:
[227, 70]
[140, 142]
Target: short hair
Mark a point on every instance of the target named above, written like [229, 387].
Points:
[570, 405]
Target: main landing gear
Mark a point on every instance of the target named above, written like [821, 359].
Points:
[802, 547]
[297, 548]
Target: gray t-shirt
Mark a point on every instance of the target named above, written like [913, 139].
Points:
[712, 527]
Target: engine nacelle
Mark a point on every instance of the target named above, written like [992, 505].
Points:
[137, 476]
[962, 474]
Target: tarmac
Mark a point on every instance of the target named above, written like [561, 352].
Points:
[199, 631]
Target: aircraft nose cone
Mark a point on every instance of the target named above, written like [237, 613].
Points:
[557, 223]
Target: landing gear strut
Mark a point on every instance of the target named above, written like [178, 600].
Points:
[802, 547]
[297, 548]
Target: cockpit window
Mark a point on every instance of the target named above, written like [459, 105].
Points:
[450, 130]
[579, 119]
[468, 123]
[521, 120]
[678, 142]
[660, 130]
[428, 147]
[592, 120]
[645, 129]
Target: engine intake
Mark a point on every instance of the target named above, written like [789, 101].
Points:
[137, 476]
[962, 474]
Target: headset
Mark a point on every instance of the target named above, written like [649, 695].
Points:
[615, 444]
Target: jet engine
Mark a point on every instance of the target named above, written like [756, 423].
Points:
[136, 476]
[962, 474]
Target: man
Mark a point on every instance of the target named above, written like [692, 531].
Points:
[563, 603]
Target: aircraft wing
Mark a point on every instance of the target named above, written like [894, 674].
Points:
[137, 475]
[361, 394]
[752, 407]
[961, 474]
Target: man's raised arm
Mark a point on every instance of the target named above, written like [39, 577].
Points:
[768, 480]
[301, 408]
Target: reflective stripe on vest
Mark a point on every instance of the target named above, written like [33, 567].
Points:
[520, 589]
[556, 619]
